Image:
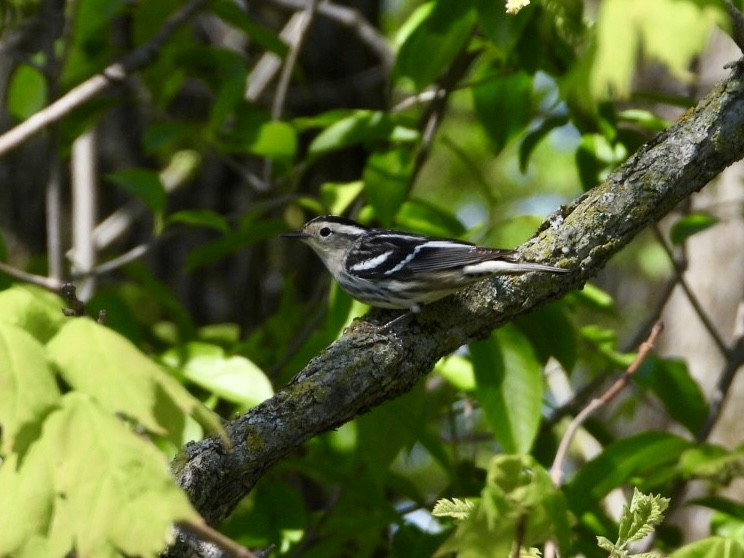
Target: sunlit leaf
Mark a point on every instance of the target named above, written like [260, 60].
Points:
[626, 26]
[234, 378]
[509, 387]
[689, 225]
[87, 485]
[33, 309]
[29, 390]
[711, 547]
[99, 362]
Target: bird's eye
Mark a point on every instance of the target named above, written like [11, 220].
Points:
[325, 232]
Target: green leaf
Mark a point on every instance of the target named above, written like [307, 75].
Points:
[254, 132]
[593, 298]
[502, 30]
[671, 382]
[561, 343]
[625, 27]
[532, 139]
[86, 485]
[621, 461]
[232, 14]
[387, 179]
[596, 158]
[249, 234]
[503, 104]
[517, 490]
[90, 48]
[26, 93]
[234, 378]
[711, 462]
[33, 309]
[361, 126]
[689, 225]
[711, 547]
[164, 135]
[144, 184]
[434, 35]
[458, 371]
[509, 387]
[29, 389]
[338, 196]
[732, 508]
[644, 119]
[455, 508]
[274, 139]
[99, 362]
[426, 218]
[641, 516]
[200, 218]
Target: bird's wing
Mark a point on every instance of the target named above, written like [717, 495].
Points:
[383, 255]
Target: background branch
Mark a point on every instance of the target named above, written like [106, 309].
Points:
[93, 86]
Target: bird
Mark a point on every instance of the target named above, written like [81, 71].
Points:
[399, 270]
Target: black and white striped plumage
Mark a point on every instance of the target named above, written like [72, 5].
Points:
[391, 269]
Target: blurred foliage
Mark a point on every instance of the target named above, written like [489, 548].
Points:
[484, 123]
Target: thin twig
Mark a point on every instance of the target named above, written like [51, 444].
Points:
[117, 262]
[733, 363]
[660, 301]
[354, 20]
[519, 533]
[435, 111]
[93, 86]
[49, 283]
[280, 96]
[699, 310]
[734, 360]
[205, 532]
[556, 471]
[277, 105]
[737, 24]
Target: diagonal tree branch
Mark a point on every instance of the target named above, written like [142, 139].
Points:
[368, 365]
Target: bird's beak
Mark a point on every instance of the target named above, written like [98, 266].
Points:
[295, 234]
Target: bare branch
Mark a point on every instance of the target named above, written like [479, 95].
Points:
[93, 86]
[354, 20]
[205, 532]
[49, 283]
[734, 361]
[556, 471]
[699, 310]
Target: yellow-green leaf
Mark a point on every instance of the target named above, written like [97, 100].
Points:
[28, 389]
[89, 483]
[672, 32]
[98, 361]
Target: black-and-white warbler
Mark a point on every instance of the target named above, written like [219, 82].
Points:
[391, 269]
